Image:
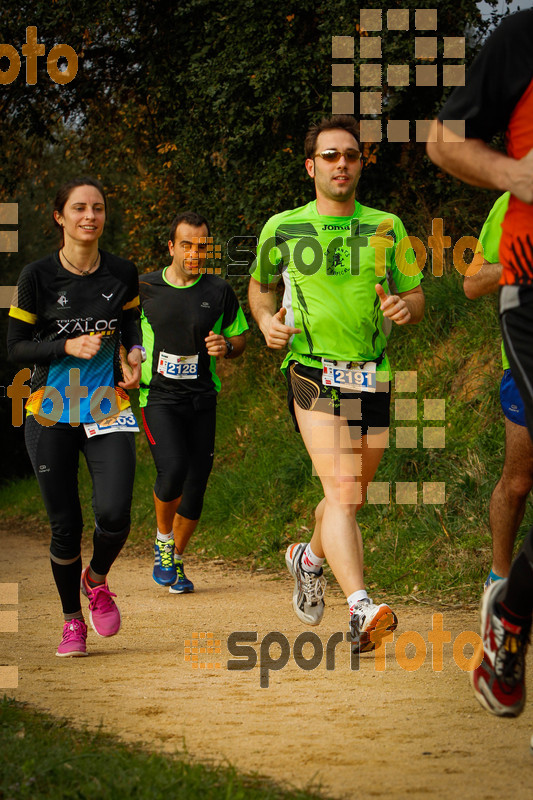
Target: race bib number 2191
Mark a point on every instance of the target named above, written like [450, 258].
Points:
[344, 376]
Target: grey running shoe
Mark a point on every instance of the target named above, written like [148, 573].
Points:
[309, 587]
[365, 618]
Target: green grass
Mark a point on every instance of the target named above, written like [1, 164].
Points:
[43, 758]
[261, 493]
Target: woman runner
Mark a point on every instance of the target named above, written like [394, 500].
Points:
[71, 312]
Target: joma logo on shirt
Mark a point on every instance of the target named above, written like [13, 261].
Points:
[335, 227]
[87, 325]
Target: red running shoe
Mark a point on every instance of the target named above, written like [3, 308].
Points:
[498, 682]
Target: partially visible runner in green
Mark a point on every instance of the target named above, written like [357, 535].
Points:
[349, 272]
[508, 500]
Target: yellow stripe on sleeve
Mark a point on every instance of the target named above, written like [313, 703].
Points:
[25, 316]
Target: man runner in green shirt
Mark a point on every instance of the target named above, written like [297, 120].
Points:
[348, 271]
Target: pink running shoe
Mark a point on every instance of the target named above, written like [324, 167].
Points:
[103, 611]
[74, 639]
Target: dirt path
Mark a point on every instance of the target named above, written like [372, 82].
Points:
[379, 734]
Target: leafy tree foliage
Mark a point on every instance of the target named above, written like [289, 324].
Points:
[204, 104]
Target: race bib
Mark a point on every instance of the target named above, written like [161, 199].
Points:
[342, 375]
[125, 421]
[178, 368]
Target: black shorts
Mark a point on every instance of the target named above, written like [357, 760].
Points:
[363, 410]
[517, 330]
[181, 438]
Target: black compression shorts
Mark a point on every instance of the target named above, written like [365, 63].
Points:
[182, 441]
[54, 453]
[363, 410]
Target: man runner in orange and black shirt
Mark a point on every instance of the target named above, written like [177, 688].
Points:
[498, 96]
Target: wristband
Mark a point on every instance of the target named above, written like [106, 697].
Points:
[230, 347]
[141, 348]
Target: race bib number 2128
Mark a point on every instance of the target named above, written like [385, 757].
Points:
[178, 367]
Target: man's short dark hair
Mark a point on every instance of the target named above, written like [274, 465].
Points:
[191, 218]
[344, 121]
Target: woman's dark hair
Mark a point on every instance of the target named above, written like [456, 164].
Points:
[65, 190]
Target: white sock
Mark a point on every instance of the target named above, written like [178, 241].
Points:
[164, 537]
[356, 597]
[178, 556]
[310, 562]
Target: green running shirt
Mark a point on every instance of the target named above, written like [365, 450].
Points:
[330, 266]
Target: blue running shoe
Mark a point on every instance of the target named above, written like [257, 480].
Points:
[164, 568]
[182, 585]
[491, 579]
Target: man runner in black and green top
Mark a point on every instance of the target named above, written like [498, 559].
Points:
[189, 320]
[348, 270]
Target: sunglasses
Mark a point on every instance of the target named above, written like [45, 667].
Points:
[332, 156]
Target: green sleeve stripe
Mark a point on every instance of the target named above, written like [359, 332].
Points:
[146, 368]
[217, 328]
[239, 325]
[143, 397]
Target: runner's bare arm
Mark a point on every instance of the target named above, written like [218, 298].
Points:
[475, 162]
[402, 308]
[263, 301]
[485, 281]
[239, 344]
